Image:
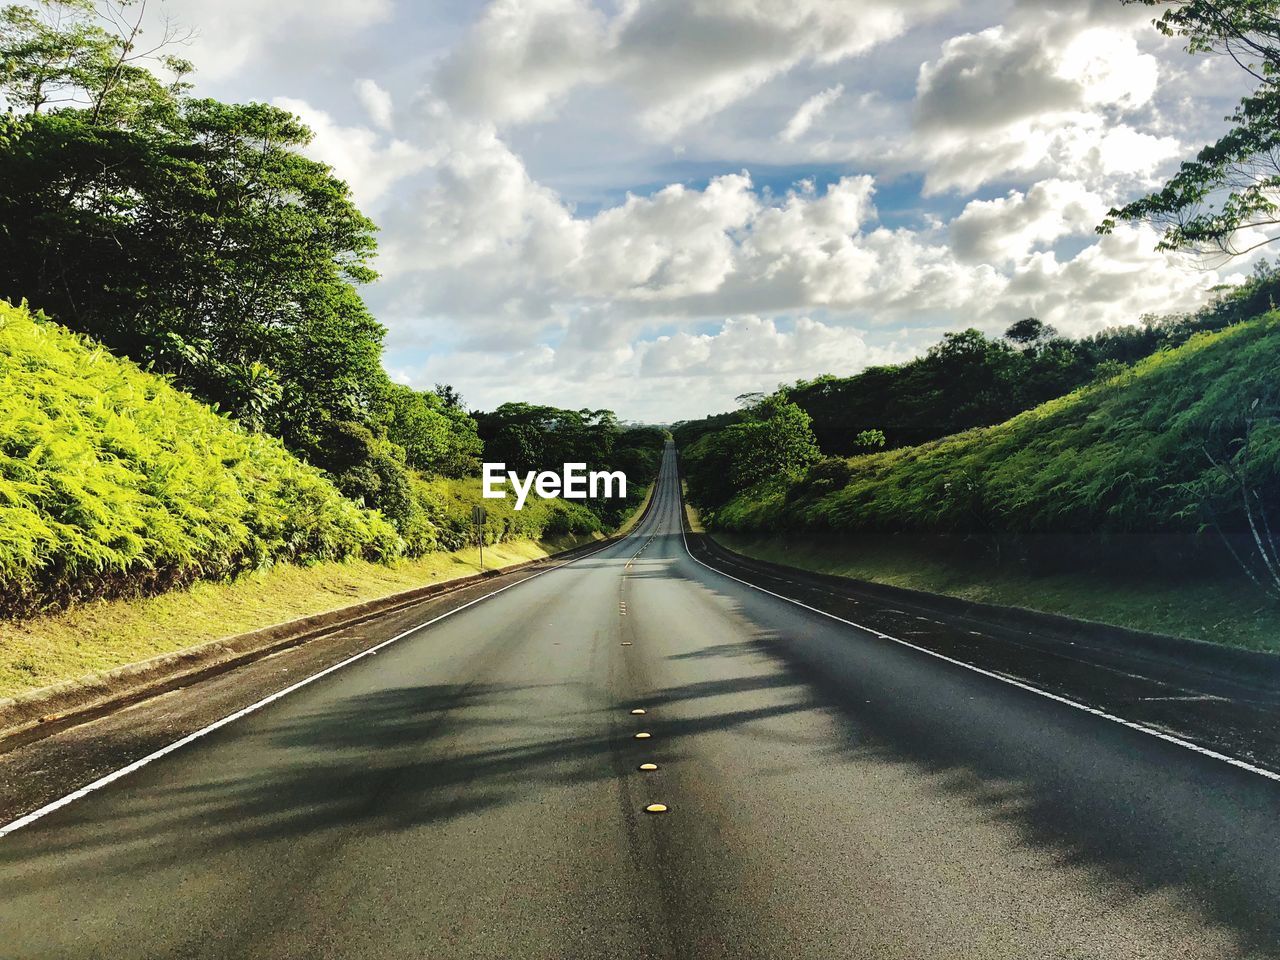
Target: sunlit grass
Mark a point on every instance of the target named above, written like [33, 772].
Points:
[105, 634]
[112, 481]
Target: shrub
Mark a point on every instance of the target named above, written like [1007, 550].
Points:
[114, 483]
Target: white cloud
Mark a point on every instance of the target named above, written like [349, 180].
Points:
[376, 102]
[521, 56]
[370, 164]
[678, 61]
[1043, 95]
[808, 112]
[757, 348]
[676, 243]
[487, 242]
[1006, 229]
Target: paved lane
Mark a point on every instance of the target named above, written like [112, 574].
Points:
[472, 791]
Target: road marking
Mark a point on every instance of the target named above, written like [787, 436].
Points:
[1021, 685]
[642, 735]
[141, 762]
[656, 808]
[648, 766]
[637, 712]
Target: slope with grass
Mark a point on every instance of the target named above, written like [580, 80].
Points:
[112, 482]
[1123, 502]
[115, 484]
[1132, 455]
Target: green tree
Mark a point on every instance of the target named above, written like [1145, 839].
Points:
[1232, 184]
[528, 436]
[774, 442]
[86, 54]
[1029, 333]
[870, 440]
[436, 436]
[188, 234]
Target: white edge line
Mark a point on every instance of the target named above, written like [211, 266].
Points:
[141, 762]
[1141, 728]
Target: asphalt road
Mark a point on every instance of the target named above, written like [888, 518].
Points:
[473, 790]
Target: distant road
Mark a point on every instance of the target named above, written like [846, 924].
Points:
[472, 790]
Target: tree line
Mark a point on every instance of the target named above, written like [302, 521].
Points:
[193, 237]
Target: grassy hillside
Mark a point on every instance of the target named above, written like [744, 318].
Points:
[1105, 504]
[113, 482]
[1128, 455]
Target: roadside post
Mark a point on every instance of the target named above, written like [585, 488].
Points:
[478, 515]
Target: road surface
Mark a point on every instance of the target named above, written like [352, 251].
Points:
[473, 790]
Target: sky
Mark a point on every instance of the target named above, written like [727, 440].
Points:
[657, 205]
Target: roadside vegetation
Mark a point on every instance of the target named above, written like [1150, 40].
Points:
[99, 636]
[191, 386]
[112, 481]
[1168, 470]
[115, 483]
[1136, 453]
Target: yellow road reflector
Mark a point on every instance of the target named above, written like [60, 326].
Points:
[643, 736]
[656, 808]
[626, 643]
[648, 766]
[637, 711]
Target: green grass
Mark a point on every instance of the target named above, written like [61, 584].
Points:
[110, 633]
[1126, 456]
[112, 481]
[1225, 610]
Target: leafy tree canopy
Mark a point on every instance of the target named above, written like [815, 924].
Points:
[193, 236]
[773, 441]
[1220, 200]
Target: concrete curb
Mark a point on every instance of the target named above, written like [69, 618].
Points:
[1247, 668]
[33, 715]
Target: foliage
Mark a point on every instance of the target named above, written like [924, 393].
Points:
[972, 380]
[1127, 455]
[528, 436]
[435, 434]
[870, 440]
[448, 502]
[1231, 184]
[194, 237]
[207, 248]
[113, 482]
[84, 54]
[773, 443]
[1244, 463]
